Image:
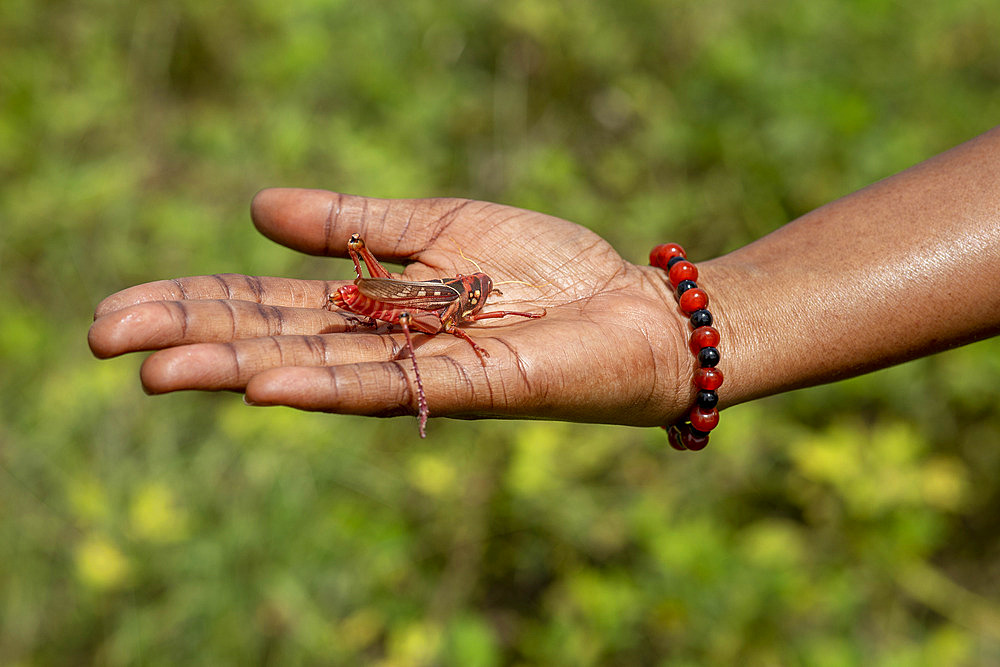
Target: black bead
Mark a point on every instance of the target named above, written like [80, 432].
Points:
[674, 260]
[707, 399]
[708, 357]
[685, 285]
[696, 433]
[701, 318]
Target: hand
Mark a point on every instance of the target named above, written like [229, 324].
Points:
[611, 347]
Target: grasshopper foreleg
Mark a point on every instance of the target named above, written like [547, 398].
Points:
[502, 313]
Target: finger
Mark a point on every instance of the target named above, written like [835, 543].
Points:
[218, 366]
[320, 222]
[387, 388]
[233, 286]
[159, 324]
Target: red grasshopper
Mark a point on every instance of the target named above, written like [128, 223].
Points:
[427, 306]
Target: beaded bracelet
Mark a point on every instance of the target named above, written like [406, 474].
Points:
[692, 433]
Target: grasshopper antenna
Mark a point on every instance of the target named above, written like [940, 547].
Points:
[465, 257]
[480, 270]
[521, 282]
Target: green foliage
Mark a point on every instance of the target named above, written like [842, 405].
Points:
[842, 525]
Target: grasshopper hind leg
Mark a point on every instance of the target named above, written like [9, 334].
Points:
[422, 410]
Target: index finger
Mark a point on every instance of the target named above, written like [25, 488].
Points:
[229, 286]
[319, 222]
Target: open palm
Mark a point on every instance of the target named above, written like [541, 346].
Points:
[609, 349]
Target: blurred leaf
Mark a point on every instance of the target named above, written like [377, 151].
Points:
[155, 516]
[101, 564]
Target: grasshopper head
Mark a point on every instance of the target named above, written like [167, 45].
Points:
[475, 290]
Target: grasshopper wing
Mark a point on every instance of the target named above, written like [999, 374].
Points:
[420, 295]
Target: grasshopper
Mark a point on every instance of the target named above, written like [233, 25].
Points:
[427, 306]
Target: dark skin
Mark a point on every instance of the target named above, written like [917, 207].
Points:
[606, 320]
[904, 268]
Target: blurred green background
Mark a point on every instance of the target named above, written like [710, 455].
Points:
[852, 524]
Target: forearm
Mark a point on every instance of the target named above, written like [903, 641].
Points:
[904, 268]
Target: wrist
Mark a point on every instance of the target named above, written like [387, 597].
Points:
[765, 354]
[669, 335]
[730, 319]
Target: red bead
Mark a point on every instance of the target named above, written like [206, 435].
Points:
[703, 337]
[691, 441]
[684, 270]
[675, 438]
[663, 253]
[693, 299]
[708, 378]
[704, 420]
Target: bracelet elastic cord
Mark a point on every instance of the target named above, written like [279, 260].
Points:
[692, 432]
